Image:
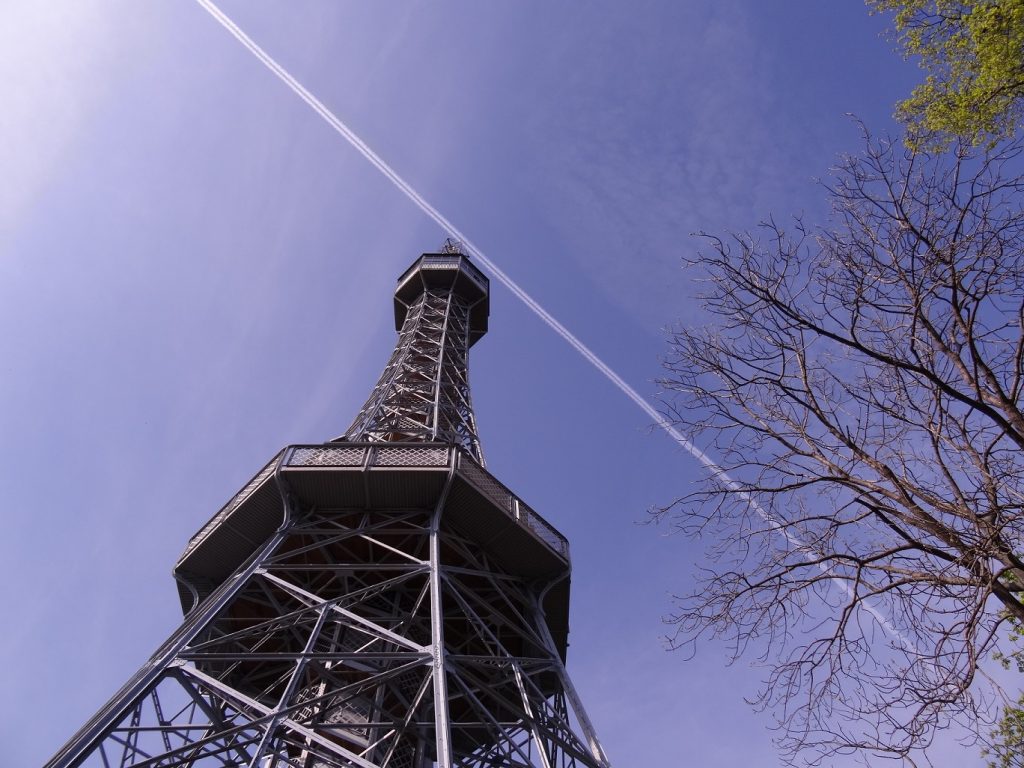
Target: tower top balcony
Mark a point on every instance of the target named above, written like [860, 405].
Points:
[445, 270]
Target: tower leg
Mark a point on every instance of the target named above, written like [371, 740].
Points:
[440, 673]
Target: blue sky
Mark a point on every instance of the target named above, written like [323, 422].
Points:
[195, 271]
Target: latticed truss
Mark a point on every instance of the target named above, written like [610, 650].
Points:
[423, 393]
[380, 601]
[356, 638]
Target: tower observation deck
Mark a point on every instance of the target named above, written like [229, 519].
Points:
[376, 601]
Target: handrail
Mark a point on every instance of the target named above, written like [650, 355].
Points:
[362, 456]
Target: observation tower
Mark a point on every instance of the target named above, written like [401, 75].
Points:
[377, 601]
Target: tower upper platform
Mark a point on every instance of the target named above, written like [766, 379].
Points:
[446, 271]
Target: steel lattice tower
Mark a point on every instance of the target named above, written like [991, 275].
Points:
[377, 601]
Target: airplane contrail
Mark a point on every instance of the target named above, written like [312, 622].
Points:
[403, 186]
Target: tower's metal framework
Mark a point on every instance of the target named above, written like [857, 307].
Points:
[378, 601]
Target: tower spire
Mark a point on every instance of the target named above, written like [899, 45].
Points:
[441, 309]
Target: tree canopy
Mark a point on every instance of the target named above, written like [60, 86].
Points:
[972, 52]
[862, 385]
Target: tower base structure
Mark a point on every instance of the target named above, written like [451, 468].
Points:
[360, 605]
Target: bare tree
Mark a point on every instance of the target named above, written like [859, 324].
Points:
[862, 389]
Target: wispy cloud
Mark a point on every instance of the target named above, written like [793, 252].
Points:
[53, 65]
[721, 154]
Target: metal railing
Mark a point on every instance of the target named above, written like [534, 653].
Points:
[541, 528]
[326, 456]
[485, 482]
[367, 455]
[518, 510]
[233, 504]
